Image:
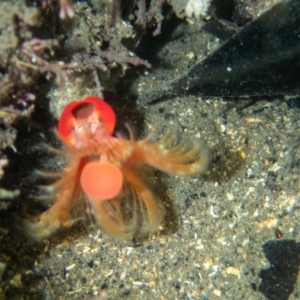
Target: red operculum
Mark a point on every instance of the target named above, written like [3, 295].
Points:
[78, 113]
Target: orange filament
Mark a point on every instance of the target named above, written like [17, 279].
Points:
[121, 201]
[101, 180]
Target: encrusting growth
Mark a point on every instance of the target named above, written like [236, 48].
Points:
[105, 174]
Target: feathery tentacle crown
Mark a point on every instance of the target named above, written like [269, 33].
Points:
[104, 171]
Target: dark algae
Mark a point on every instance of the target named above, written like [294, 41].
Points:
[261, 59]
[277, 282]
